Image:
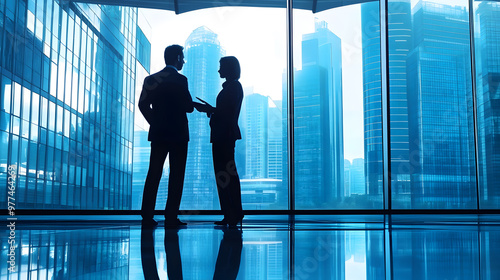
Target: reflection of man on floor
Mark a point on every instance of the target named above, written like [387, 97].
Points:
[148, 258]
[174, 263]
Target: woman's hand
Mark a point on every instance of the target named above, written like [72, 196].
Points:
[204, 108]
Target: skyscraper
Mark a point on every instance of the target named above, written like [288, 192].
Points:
[358, 185]
[255, 124]
[319, 158]
[399, 15]
[275, 141]
[347, 178]
[440, 108]
[488, 101]
[67, 95]
[202, 53]
[432, 153]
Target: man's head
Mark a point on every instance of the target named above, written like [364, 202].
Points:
[174, 56]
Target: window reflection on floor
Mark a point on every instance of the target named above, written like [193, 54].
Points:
[256, 251]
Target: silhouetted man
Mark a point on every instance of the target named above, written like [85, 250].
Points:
[164, 102]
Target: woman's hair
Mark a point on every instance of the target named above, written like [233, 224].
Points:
[232, 65]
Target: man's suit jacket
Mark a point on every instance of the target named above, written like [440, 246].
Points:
[224, 120]
[164, 102]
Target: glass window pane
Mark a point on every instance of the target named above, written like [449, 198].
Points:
[338, 144]
[59, 119]
[259, 155]
[32, 160]
[26, 104]
[41, 173]
[4, 146]
[16, 104]
[433, 165]
[5, 100]
[35, 105]
[487, 39]
[43, 112]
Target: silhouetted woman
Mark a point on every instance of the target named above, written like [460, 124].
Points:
[224, 133]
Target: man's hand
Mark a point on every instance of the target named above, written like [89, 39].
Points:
[204, 108]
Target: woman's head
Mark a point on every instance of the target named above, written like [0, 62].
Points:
[229, 68]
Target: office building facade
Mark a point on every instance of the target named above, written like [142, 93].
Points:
[487, 40]
[399, 45]
[440, 109]
[67, 103]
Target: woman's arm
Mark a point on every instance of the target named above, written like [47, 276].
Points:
[228, 101]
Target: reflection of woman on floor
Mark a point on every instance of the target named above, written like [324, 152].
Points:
[224, 133]
[229, 257]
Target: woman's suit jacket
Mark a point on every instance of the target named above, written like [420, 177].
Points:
[224, 118]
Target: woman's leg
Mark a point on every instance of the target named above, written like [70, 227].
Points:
[228, 181]
[234, 186]
[221, 177]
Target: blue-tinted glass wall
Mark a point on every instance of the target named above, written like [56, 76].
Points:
[68, 74]
[487, 39]
[372, 104]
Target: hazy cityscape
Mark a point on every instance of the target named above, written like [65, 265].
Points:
[324, 179]
[70, 79]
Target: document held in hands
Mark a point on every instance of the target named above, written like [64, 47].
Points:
[203, 107]
[204, 102]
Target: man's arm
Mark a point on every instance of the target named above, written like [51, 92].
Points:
[186, 98]
[145, 103]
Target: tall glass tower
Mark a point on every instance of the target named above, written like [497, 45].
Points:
[432, 152]
[275, 141]
[202, 53]
[67, 103]
[319, 157]
[399, 46]
[440, 112]
[255, 124]
[488, 100]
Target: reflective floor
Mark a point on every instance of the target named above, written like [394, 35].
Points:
[266, 247]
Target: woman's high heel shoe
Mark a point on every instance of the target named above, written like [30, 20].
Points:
[224, 222]
[235, 222]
